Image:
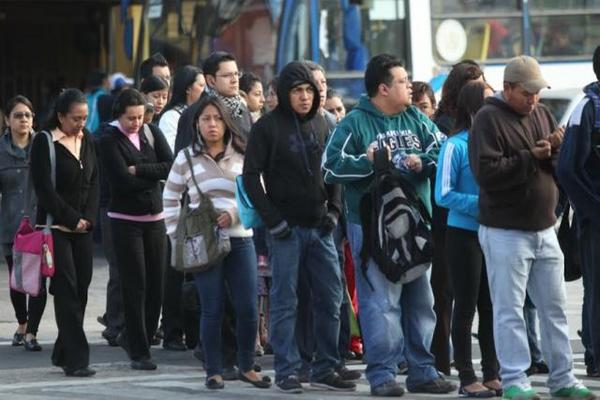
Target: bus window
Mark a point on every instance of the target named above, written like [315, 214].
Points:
[384, 30]
[488, 30]
[564, 34]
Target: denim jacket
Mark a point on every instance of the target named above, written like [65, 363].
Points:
[14, 174]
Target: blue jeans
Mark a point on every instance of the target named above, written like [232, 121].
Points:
[530, 317]
[386, 329]
[238, 271]
[520, 263]
[315, 254]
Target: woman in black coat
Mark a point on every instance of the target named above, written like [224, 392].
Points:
[73, 203]
[135, 160]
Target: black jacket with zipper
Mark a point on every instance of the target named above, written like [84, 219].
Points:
[141, 193]
[287, 150]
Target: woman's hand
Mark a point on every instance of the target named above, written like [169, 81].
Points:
[224, 220]
[83, 225]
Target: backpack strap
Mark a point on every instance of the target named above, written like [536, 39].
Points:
[203, 197]
[52, 153]
[149, 136]
[596, 100]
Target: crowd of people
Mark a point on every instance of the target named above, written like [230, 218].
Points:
[490, 170]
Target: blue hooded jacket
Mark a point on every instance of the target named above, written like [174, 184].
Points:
[579, 165]
[455, 186]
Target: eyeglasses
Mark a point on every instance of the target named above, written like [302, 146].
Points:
[231, 75]
[336, 109]
[23, 114]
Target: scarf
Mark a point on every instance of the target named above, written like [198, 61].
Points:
[233, 103]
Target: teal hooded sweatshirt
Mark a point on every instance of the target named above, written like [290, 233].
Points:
[409, 132]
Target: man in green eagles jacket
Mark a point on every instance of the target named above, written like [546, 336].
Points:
[396, 318]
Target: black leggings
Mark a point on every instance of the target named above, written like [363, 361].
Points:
[27, 312]
[471, 291]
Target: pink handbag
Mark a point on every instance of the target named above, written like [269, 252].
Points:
[33, 250]
[32, 258]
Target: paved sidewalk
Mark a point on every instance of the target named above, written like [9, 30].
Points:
[28, 376]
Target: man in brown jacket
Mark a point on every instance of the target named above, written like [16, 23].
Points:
[512, 146]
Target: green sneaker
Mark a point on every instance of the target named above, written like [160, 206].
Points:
[517, 393]
[575, 392]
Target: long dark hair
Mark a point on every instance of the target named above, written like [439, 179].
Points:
[470, 100]
[461, 73]
[184, 78]
[63, 104]
[231, 131]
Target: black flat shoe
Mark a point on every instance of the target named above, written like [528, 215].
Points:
[263, 383]
[79, 372]
[499, 392]
[480, 394]
[32, 345]
[143, 365]
[174, 345]
[18, 339]
[214, 384]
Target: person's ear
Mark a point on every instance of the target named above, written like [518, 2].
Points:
[210, 80]
[383, 89]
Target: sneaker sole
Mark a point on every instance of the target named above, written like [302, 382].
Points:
[290, 391]
[333, 388]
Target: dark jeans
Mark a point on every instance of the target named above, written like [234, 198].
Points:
[442, 291]
[114, 316]
[30, 310]
[73, 255]
[140, 250]
[590, 258]
[238, 272]
[305, 335]
[306, 249]
[471, 291]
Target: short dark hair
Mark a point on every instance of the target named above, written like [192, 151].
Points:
[459, 75]
[127, 98]
[332, 93]
[597, 62]
[63, 105]
[470, 100]
[183, 78]
[313, 66]
[378, 72]
[420, 89]
[153, 83]
[248, 80]
[18, 99]
[231, 130]
[149, 63]
[211, 64]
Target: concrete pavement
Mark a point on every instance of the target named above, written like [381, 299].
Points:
[28, 376]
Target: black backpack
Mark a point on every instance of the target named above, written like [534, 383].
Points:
[396, 225]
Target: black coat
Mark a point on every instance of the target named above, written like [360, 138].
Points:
[141, 193]
[286, 149]
[76, 194]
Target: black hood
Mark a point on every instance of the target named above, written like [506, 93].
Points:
[293, 74]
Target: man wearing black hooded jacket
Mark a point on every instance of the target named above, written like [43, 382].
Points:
[285, 146]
